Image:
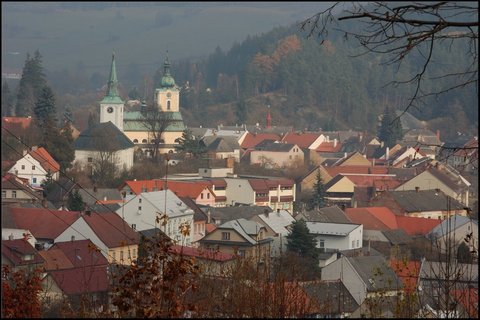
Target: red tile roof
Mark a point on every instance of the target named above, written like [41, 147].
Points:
[82, 280]
[209, 227]
[303, 140]
[15, 249]
[417, 226]
[112, 230]
[329, 147]
[55, 259]
[379, 182]
[190, 189]
[81, 252]
[385, 215]
[362, 216]
[43, 223]
[203, 254]
[45, 159]
[468, 298]
[408, 272]
[264, 185]
[251, 140]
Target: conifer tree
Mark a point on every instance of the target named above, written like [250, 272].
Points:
[45, 111]
[301, 241]
[7, 101]
[75, 201]
[390, 129]
[31, 85]
[318, 196]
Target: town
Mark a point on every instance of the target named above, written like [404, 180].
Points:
[135, 212]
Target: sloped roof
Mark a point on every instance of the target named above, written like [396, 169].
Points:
[456, 184]
[12, 182]
[15, 249]
[24, 122]
[440, 270]
[264, 185]
[332, 297]
[191, 189]
[245, 228]
[424, 200]
[45, 159]
[416, 226]
[277, 221]
[452, 223]
[379, 182]
[366, 266]
[363, 216]
[252, 139]
[81, 252]
[333, 171]
[235, 212]
[221, 143]
[55, 259]
[397, 236]
[112, 230]
[331, 214]
[43, 223]
[331, 229]
[198, 215]
[98, 136]
[133, 121]
[74, 282]
[303, 140]
[95, 195]
[329, 147]
[203, 254]
[272, 146]
[175, 206]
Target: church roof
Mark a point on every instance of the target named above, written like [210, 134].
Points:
[167, 79]
[111, 96]
[89, 138]
[132, 121]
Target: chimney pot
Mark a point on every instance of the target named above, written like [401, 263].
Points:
[417, 189]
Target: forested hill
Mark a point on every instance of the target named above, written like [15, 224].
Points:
[309, 85]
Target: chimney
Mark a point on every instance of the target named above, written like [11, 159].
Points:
[335, 142]
[34, 148]
[209, 217]
[387, 153]
[72, 238]
[417, 189]
[438, 134]
[10, 237]
[105, 198]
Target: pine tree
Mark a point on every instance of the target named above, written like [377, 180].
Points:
[301, 241]
[75, 201]
[31, 85]
[45, 111]
[390, 129]
[7, 101]
[189, 145]
[318, 196]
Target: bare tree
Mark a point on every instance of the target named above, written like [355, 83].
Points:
[398, 29]
[156, 123]
[105, 160]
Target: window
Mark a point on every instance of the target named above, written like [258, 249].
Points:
[208, 195]
[33, 167]
[34, 180]
[225, 235]
[14, 193]
[358, 243]
[139, 208]
[135, 140]
[144, 140]
[201, 195]
[168, 104]
[134, 226]
[140, 200]
[23, 167]
[134, 253]
[90, 159]
[114, 255]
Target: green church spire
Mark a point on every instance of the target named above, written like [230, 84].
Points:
[167, 79]
[112, 82]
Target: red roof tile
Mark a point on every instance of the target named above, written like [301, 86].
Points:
[363, 216]
[417, 226]
[112, 230]
[209, 227]
[16, 249]
[188, 189]
[81, 252]
[55, 259]
[82, 280]
[43, 223]
[303, 140]
[251, 140]
[329, 147]
[45, 159]
[385, 215]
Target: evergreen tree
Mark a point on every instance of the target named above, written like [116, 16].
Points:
[75, 201]
[318, 196]
[390, 129]
[301, 241]
[48, 184]
[7, 101]
[189, 145]
[45, 111]
[31, 85]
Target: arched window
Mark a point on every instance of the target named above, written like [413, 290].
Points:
[144, 141]
[135, 140]
[168, 104]
[152, 141]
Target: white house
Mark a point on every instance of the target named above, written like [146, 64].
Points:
[336, 236]
[141, 212]
[35, 166]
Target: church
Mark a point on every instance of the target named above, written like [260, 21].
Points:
[132, 123]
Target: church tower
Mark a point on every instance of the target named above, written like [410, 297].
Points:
[111, 107]
[167, 97]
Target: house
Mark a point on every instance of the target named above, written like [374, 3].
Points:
[113, 237]
[276, 155]
[336, 236]
[240, 237]
[35, 166]
[19, 254]
[210, 263]
[103, 141]
[432, 204]
[463, 156]
[200, 220]
[162, 209]
[439, 177]
[222, 147]
[43, 224]
[455, 230]
[10, 231]
[60, 192]
[249, 140]
[331, 214]
[219, 216]
[277, 193]
[354, 159]
[305, 140]
[15, 189]
[197, 190]
[363, 276]
[92, 196]
[276, 224]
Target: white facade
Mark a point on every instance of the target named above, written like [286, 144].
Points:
[123, 157]
[29, 168]
[112, 112]
[239, 191]
[13, 234]
[337, 236]
[141, 211]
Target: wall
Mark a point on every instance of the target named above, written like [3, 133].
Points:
[239, 191]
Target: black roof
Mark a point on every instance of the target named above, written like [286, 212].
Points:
[103, 135]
